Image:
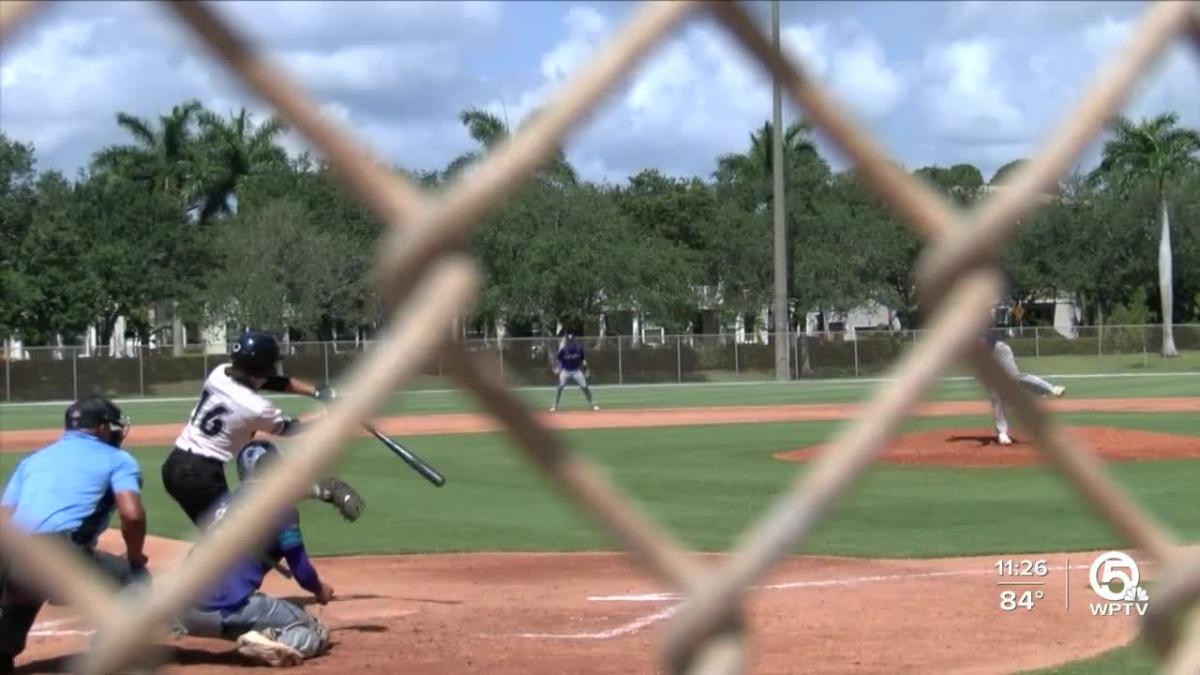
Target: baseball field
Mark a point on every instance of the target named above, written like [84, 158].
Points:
[495, 573]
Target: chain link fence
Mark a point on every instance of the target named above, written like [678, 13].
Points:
[425, 280]
[64, 373]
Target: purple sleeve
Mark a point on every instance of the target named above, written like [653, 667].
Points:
[302, 569]
[292, 545]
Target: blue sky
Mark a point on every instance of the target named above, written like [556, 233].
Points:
[944, 82]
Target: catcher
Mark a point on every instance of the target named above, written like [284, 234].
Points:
[569, 363]
[230, 412]
[268, 629]
[1004, 355]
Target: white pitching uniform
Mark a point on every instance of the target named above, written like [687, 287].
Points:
[1004, 355]
[227, 417]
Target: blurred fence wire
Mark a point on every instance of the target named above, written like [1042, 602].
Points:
[426, 281]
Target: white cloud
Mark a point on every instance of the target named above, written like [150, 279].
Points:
[966, 95]
[585, 27]
[976, 82]
[368, 69]
[394, 65]
[862, 77]
[698, 95]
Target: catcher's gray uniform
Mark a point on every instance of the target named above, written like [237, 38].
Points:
[281, 620]
[1004, 355]
[234, 605]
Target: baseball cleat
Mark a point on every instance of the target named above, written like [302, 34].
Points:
[1005, 440]
[554, 409]
[1057, 392]
[595, 407]
[263, 647]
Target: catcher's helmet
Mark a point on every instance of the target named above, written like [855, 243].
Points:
[256, 353]
[254, 456]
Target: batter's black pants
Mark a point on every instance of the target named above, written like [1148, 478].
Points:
[20, 603]
[195, 482]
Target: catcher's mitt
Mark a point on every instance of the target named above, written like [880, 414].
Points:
[343, 497]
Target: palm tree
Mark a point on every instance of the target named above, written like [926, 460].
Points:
[164, 157]
[489, 131]
[754, 167]
[1157, 150]
[234, 149]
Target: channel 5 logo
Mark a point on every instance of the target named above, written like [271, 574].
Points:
[1115, 577]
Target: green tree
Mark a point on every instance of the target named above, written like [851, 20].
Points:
[18, 195]
[489, 131]
[140, 250]
[670, 218]
[740, 236]
[55, 260]
[961, 182]
[753, 168]
[1157, 151]
[1007, 171]
[163, 156]
[280, 270]
[234, 148]
[855, 253]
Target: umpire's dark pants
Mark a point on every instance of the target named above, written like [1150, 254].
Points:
[194, 482]
[20, 603]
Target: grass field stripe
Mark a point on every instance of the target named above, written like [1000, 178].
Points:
[624, 629]
[818, 583]
[839, 382]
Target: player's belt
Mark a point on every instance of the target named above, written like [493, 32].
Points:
[189, 451]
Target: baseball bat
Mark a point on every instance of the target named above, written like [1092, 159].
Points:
[410, 458]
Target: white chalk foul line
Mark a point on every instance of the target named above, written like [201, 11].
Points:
[51, 628]
[624, 629]
[816, 583]
[651, 619]
[59, 633]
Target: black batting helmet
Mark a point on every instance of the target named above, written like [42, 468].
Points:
[256, 353]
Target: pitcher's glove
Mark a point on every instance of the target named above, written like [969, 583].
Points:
[343, 497]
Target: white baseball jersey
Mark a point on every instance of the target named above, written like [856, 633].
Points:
[227, 417]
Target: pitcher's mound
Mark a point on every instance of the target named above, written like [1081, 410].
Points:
[978, 447]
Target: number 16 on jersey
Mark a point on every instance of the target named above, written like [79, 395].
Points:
[209, 421]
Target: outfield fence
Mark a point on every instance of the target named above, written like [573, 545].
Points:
[425, 280]
[62, 373]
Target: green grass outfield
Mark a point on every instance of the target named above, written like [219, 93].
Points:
[176, 410]
[708, 483]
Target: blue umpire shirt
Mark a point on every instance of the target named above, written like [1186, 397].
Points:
[69, 486]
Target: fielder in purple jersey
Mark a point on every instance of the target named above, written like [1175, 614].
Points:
[569, 363]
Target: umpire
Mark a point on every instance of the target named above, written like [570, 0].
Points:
[68, 490]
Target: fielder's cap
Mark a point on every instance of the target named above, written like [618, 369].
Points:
[89, 413]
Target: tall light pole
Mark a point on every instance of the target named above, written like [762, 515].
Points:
[782, 346]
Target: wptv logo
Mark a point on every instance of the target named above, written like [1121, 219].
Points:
[1115, 577]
